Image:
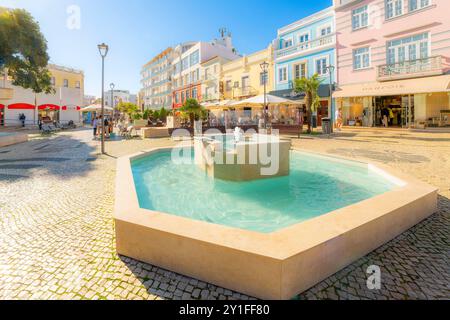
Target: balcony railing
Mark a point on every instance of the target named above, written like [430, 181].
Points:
[211, 97]
[307, 46]
[244, 92]
[411, 69]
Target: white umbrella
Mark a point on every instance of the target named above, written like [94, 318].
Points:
[96, 108]
[270, 100]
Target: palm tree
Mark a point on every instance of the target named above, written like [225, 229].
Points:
[193, 110]
[310, 86]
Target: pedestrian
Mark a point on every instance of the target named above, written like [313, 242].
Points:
[94, 124]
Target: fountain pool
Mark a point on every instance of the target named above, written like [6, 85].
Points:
[268, 238]
[316, 185]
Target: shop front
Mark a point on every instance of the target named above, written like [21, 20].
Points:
[413, 103]
[285, 116]
[48, 113]
[2, 115]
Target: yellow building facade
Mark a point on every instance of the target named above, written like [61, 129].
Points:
[243, 78]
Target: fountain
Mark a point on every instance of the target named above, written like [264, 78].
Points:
[238, 157]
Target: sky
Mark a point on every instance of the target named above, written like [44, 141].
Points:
[137, 30]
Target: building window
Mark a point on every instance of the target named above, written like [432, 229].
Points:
[184, 63]
[282, 74]
[360, 18]
[188, 94]
[263, 78]
[53, 81]
[194, 58]
[394, 8]
[418, 4]
[324, 30]
[300, 71]
[182, 96]
[288, 43]
[228, 85]
[408, 49]
[66, 83]
[361, 58]
[304, 40]
[194, 93]
[245, 82]
[321, 66]
[77, 85]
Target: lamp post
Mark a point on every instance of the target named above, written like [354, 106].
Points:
[265, 68]
[103, 49]
[330, 69]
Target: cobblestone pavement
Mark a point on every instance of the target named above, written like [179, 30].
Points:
[57, 232]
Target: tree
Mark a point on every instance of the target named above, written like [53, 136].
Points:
[128, 108]
[192, 109]
[163, 114]
[23, 51]
[147, 114]
[310, 87]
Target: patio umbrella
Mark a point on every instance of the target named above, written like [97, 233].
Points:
[96, 108]
[271, 100]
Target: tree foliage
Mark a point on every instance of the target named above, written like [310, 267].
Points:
[23, 51]
[129, 108]
[310, 86]
[192, 109]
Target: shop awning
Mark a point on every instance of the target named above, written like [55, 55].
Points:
[49, 106]
[2, 106]
[73, 108]
[392, 88]
[21, 106]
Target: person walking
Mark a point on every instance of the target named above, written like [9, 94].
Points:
[94, 125]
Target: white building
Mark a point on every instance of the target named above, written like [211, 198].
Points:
[119, 96]
[62, 106]
[186, 78]
[156, 81]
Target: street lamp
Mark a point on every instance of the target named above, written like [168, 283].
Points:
[103, 49]
[265, 69]
[330, 69]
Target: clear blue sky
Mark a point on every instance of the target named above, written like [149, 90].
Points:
[136, 30]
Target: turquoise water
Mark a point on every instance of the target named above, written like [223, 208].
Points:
[316, 185]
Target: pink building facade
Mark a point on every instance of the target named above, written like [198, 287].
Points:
[393, 63]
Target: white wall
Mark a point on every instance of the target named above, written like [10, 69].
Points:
[63, 97]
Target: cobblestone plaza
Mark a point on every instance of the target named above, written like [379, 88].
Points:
[57, 230]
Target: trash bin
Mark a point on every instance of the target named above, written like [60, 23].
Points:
[314, 121]
[326, 126]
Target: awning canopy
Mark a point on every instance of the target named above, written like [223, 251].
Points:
[21, 106]
[49, 106]
[2, 106]
[260, 100]
[392, 88]
[323, 92]
[71, 108]
[96, 108]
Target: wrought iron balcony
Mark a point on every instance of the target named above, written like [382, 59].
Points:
[211, 97]
[411, 69]
[306, 47]
[244, 92]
